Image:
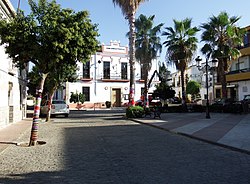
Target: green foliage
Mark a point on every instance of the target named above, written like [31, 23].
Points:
[221, 36]
[135, 112]
[52, 38]
[193, 88]
[164, 73]
[53, 81]
[163, 91]
[181, 43]
[76, 98]
[34, 77]
[147, 43]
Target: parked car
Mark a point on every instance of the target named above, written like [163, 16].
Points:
[30, 103]
[139, 103]
[58, 107]
[175, 100]
[226, 105]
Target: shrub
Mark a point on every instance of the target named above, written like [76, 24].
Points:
[76, 98]
[175, 109]
[135, 112]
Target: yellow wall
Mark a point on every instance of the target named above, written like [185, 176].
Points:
[238, 77]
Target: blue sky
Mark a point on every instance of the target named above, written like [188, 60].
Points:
[113, 26]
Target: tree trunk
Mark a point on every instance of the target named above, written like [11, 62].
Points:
[223, 79]
[131, 19]
[51, 94]
[146, 101]
[34, 128]
[183, 90]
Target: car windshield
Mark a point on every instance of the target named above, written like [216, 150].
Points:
[247, 97]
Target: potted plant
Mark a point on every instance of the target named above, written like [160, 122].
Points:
[108, 104]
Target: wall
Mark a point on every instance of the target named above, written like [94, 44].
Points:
[12, 81]
[100, 88]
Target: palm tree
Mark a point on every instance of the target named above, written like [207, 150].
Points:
[129, 8]
[181, 45]
[221, 37]
[147, 46]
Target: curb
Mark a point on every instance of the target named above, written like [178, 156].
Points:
[196, 138]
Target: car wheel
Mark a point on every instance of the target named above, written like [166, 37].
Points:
[66, 115]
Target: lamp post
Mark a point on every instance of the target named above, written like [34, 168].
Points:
[198, 60]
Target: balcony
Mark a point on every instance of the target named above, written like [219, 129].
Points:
[86, 79]
[238, 75]
[245, 49]
[113, 78]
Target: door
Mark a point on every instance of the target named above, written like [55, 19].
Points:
[116, 97]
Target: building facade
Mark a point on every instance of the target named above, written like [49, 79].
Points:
[192, 73]
[12, 80]
[106, 78]
[238, 79]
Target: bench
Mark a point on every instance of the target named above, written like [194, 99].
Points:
[155, 111]
[148, 112]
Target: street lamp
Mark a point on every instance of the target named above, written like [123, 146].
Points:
[206, 68]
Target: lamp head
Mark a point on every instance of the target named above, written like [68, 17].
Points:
[215, 63]
[198, 61]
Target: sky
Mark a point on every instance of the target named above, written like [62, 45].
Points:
[113, 26]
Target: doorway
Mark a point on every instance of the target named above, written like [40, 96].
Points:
[116, 97]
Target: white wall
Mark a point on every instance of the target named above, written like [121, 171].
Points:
[101, 91]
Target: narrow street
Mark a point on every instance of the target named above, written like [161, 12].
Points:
[103, 147]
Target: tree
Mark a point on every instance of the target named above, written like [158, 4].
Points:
[193, 88]
[55, 80]
[164, 72]
[75, 97]
[221, 37]
[147, 46]
[64, 72]
[48, 37]
[129, 8]
[164, 91]
[181, 45]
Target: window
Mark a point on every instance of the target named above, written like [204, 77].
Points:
[126, 96]
[106, 70]
[237, 66]
[85, 91]
[142, 91]
[244, 89]
[86, 70]
[217, 93]
[205, 96]
[246, 40]
[124, 69]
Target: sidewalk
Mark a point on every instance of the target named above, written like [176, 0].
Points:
[227, 130]
[11, 133]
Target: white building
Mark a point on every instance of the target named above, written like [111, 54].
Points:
[192, 73]
[106, 78]
[12, 81]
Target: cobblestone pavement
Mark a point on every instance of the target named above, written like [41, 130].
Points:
[102, 147]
